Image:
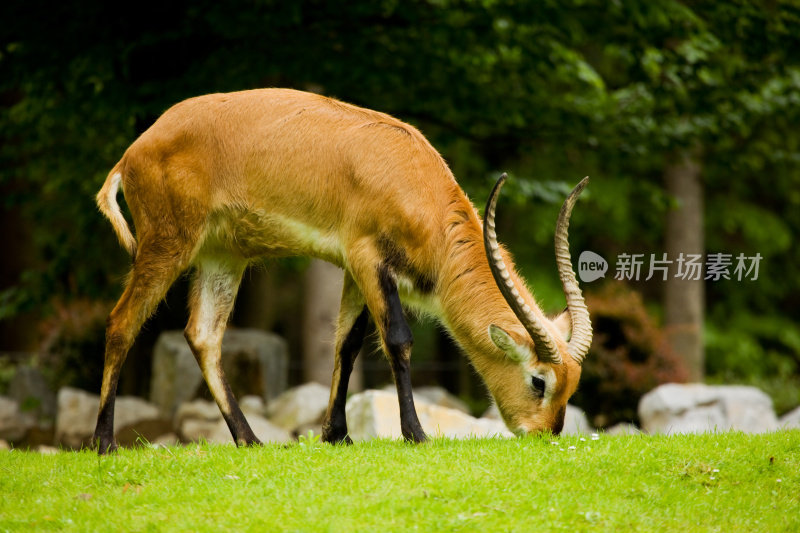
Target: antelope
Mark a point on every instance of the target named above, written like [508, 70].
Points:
[222, 180]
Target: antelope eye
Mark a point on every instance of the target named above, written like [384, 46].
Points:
[538, 385]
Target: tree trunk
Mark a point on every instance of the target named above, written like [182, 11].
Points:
[684, 299]
[323, 293]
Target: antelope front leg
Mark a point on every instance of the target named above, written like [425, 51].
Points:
[375, 279]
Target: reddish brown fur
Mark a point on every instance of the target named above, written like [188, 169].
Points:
[233, 177]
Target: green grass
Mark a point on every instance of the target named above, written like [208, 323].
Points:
[713, 482]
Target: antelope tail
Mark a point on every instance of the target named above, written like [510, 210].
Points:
[107, 202]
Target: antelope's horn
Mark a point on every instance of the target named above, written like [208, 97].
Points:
[581, 337]
[543, 343]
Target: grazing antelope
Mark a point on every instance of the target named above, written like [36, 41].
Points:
[221, 180]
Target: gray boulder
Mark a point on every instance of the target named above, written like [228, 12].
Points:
[376, 414]
[623, 428]
[255, 362]
[31, 391]
[300, 406]
[435, 396]
[14, 425]
[252, 405]
[697, 408]
[201, 419]
[575, 422]
[790, 420]
[76, 418]
[266, 431]
[197, 419]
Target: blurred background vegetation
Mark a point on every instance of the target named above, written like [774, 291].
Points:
[685, 114]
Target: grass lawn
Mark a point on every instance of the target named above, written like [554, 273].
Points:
[713, 482]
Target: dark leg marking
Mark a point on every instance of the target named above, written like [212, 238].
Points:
[398, 341]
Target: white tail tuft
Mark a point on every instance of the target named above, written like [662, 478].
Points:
[107, 202]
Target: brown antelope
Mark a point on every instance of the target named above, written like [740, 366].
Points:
[221, 180]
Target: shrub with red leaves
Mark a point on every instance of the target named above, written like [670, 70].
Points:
[628, 358]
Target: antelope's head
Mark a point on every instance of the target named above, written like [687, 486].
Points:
[543, 357]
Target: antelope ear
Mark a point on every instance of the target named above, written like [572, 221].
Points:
[514, 351]
[563, 322]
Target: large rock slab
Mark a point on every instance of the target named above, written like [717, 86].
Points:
[14, 424]
[76, 417]
[31, 391]
[575, 422]
[201, 419]
[697, 408]
[300, 406]
[435, 396]
[196, 419]
[790, 420]
[376, 414]
[266, 431]
[255, 362]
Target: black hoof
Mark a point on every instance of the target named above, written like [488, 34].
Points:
[416, 437]
[105, 447]
[336, 438]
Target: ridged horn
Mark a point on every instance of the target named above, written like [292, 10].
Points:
[581, 337]
[543, 343]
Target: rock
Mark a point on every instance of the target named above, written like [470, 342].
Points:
[790, 420]
[31, 391]
[143, 431]
[697, 408]
[128, 410]
[575, 422]
[77, 416]
[299, 406]
[492, 413]
[266, 431]
[376, 413]
[623, 428]
[167, 439]
[14, 425]
[254, 361]
[197, 419]
[201, 419]
[252, 405]
[47, 450]
[193, 430]
[435, 396]
[198, 409]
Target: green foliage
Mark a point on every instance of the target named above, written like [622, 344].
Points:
[764, 352]
[309, 441]
[722, 481]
